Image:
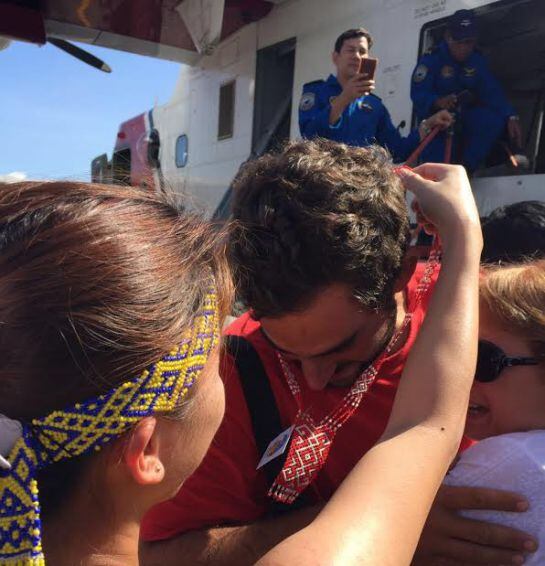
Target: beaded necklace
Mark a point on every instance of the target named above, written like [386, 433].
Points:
[311, 439]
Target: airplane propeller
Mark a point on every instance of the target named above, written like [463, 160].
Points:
[80, 54]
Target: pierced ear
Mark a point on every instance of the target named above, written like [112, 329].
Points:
[408, 265]
[142, 453]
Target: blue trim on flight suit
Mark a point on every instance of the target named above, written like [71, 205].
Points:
[482, 122]
[363, 122]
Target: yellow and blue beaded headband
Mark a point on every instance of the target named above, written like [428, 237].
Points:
[86, 427]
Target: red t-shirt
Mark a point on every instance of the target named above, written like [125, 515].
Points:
[227, 488]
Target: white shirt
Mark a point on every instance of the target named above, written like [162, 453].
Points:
[512, 462]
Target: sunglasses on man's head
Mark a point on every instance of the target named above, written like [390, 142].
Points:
[491, 360]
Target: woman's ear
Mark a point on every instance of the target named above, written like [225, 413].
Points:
[408, 265]
[141, 454]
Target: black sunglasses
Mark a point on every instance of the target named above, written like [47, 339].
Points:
[491, 360]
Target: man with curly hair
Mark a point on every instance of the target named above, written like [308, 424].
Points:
[319, 251]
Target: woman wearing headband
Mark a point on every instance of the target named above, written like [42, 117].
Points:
[508, 398]
[110, 307]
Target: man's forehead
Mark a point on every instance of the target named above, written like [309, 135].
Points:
[355, 42]
[331, 321]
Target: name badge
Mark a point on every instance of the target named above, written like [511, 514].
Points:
[276, 447]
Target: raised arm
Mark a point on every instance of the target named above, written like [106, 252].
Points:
[377, 514]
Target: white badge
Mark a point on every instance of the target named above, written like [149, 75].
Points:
[276, 447]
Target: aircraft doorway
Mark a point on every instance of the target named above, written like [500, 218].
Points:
[511, 37]
[273, 96]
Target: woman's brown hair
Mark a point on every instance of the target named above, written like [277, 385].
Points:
[515, 296]
[96, 283]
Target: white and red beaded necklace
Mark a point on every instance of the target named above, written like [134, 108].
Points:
[311, 440]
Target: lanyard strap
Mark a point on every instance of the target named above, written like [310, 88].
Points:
[311, 440]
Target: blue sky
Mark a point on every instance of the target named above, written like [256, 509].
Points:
[58, 113]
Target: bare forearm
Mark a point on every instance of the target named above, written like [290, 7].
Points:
[426, 421]
[224, 546]
[435, 388]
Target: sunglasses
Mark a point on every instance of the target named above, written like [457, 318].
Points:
[492, 360]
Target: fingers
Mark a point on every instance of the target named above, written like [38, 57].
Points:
[438, 171]
[456, 497]
[411, 180]
[457, 552]
[421, 219]
[492, 535]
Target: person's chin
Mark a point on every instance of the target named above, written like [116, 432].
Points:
[345, 378]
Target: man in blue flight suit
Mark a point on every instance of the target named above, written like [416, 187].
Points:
[343, 109]
[456, 77]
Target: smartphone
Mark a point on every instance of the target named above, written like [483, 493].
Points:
[368, 66]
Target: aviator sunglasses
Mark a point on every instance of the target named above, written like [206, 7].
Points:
[492, 360]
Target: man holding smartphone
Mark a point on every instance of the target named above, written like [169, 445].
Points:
[456, 77]
[343, 108]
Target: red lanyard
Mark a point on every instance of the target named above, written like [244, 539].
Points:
[311, 440]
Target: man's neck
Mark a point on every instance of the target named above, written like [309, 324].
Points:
[342, 80]
[401, 305]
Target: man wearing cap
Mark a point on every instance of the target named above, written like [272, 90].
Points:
[343, 108]
[456, 77]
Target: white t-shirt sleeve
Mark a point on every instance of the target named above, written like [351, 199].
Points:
[512, 462]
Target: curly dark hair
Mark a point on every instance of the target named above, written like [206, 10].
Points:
[351, 34]
[315, 214]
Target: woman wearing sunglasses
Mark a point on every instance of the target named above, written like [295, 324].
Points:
[507, 403]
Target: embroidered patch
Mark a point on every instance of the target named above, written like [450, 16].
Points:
[470, 72]
[420, 73]
[307, 101]
[365, 106]
[447, 71]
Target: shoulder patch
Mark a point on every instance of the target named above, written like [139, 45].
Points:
[307, 101]
[420, 73]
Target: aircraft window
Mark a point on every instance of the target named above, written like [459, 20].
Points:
[227, 111]
[181, 151]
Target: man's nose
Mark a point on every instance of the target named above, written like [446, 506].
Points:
[317, 373]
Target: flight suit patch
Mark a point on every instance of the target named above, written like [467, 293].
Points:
[364, 106]
[420, 73]
[307, 101]
[470, 72]
[447, 71]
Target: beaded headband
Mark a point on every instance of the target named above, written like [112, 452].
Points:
[87, 427]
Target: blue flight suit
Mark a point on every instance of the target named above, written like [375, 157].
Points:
[480, 121]
[363, 122]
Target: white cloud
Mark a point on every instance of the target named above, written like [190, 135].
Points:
[14, 177]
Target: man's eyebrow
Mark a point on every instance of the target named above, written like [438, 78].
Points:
[335, 349]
